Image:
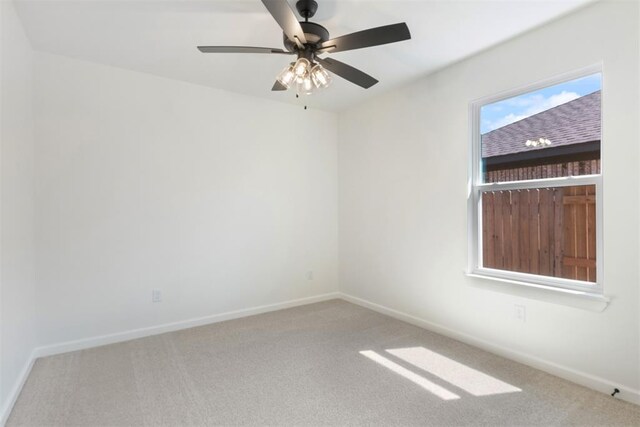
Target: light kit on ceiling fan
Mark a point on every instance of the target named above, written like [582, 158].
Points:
[308, 40]
[308, 76]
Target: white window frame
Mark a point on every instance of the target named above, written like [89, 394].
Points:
[476, 187]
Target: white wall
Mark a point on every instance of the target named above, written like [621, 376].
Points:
[221, 201]
[403, 187]
[17, 298]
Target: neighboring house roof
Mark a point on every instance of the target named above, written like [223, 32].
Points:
[574, 122]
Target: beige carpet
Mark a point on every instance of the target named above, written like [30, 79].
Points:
[331, 363]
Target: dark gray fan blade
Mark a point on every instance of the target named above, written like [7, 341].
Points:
[347, 72]
[367, 38]
[278, 86]
[241, 49]
[286, 18]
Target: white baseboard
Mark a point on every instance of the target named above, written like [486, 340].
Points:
[582, 378]
[132, 334]
[17, 388]
[91, 342]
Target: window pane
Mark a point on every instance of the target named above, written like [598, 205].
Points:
[548, 231]
[548, 133]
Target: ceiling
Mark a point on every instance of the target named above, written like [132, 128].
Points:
[160, 37]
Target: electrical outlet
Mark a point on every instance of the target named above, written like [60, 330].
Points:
[521, 313]
[309, 275]
[156, 295]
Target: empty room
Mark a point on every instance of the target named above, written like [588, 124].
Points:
[299, 212]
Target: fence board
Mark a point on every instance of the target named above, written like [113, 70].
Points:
[591, 237]
[506, 227]
[486, 230]
[515, 231]
[545, 206]
[568, 231]
[497, 214]
[534, 243]
[523, 225]
[557, 231]
[581, 233]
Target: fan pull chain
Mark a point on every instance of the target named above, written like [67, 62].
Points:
[298, 97]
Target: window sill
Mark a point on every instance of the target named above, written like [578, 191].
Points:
[568, 297]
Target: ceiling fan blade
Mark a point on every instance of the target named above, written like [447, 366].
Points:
[347, 72]
[278, 86]
[286, 18]
[367, 38]
[241, 49]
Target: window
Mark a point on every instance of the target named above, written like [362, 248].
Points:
[535, 202]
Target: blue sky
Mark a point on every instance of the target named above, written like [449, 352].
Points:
[502, 113]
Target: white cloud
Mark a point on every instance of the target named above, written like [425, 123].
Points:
[534, 104]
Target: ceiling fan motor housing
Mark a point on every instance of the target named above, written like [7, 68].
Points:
[314, 33]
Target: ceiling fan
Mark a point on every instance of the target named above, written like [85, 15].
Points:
[307, 40]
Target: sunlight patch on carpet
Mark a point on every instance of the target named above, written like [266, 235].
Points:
[437, 390]
[462, 376]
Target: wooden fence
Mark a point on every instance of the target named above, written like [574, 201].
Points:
[549, 231]
[585, 167]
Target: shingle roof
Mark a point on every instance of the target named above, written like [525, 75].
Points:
[574, 122]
